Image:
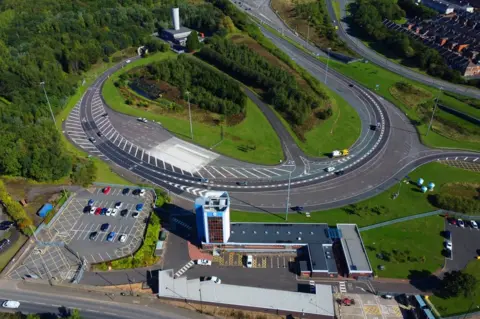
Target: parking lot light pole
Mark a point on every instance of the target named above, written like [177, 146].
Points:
[328, 59]
[288, 195]
[190, 114]
[434, 109]
[48, 101]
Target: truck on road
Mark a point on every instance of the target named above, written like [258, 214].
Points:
[337, 153]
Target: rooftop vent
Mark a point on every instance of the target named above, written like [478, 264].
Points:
[232, 232]
[254, 231]
[243, 232]
[299, 232]
[288, 232]
[266, 232]
[311, 233]
[277, 232]
[299, 238]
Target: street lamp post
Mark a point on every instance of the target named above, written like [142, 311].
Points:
[434, 109]
[328, 59]
[190, 114]
[48, 101]
[308, 29]
[288, 195]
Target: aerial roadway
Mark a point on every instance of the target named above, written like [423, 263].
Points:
[377, 160]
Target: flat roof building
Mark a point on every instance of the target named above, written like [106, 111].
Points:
[354, 251]
[317, 305]
[177, 34]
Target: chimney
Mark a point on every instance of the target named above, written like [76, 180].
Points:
[176, 18]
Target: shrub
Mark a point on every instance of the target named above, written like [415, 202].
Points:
[457, 203]
[16, 211]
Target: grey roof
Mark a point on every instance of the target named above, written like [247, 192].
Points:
[270, 233]
[320, 303]
[353, 249]
[321, 258]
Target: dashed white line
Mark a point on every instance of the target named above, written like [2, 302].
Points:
[216, 170]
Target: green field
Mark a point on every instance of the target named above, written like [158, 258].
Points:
[459, 305]
[410, 249]
[11, 251]
[253, 130]
[381, 207]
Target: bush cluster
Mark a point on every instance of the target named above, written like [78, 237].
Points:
[16, 211]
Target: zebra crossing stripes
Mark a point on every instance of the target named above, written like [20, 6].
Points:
[342, 286]
[182, 270]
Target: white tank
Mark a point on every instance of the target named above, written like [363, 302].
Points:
[176, 18]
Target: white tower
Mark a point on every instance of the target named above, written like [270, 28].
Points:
[176, 18]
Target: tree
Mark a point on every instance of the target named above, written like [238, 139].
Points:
[193, 44]
[455, 283]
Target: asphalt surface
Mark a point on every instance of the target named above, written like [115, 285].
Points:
[379, 158]
[41, 298]
[466, 246]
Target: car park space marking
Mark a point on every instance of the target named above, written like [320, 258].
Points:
[228, 172]
[101, 257]
[271, 172]
[256, 170]
[116, 138]
[238, 172]
[136, 151]
[217, 171]
[206, 170]
[248, 172]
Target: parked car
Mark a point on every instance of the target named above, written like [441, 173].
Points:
[135, 214]
[11, 304]
[244, 183]
[213, 279]
[109, 212]
[99, 134]
[4, 243]
[124, 212]
[448, 244]
[98, 211]
[90, 202]
[203, 262]
[118, 205]
[93, 210]
[249, 261]
[203, 180]
[474, 224]
[93, 235]
[387, 296]
[452, 221]
[114, 212]
[311, 283]
[86, 209]
[92, 139]
[125, 191]
[111, 236]
[105, 227]
[6, 225]
[340, 172]
[104, 211]
[107, 190]
[448, 235]
[460, 223]
[122, 238]
[330, 169]
[142, 192]
[139, 207]
[142, 119]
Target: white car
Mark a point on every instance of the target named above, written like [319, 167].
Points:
[119, 205]
[474, 224]
[214, 279]
[11, 304]
[448, 245]
[135, 214]
[142, 119]
[249, 261]
[142, 192]
[128, 61]
[461, 223]
[114, 212]
[204, 262]
[122, 238]
[93, 209]
[330, 169]
[109, 212]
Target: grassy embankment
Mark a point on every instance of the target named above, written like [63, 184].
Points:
[254, 129]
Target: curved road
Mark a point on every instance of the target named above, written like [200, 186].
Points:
[378, 160]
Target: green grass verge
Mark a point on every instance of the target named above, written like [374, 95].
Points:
[336, 9]
[253, 130]
[459, 305]
[104, 172]
[8, 254]
[410, 249]
[381, 207]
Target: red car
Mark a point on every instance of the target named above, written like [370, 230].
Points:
[98, 211]
[453, 221]
[106, 190]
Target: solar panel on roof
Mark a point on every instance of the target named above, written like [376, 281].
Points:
[334, 233]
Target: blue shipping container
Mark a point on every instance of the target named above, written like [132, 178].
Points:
[45, 209]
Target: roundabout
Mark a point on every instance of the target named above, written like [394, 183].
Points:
[377, 160]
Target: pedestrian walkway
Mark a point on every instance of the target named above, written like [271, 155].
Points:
[196, 253]
[184, 269]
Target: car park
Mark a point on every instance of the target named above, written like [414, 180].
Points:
[125, 191]
[90, 202]
[11, 304]
[93, 235]
[139, 207]
[107, 190]
[203, 262]
[122, 238]
[111, 236]
[105, 227]
[330, 169]
[460, 223]
[474, 224]
[249, 261]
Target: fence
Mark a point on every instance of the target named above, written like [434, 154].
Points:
[400, 220]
